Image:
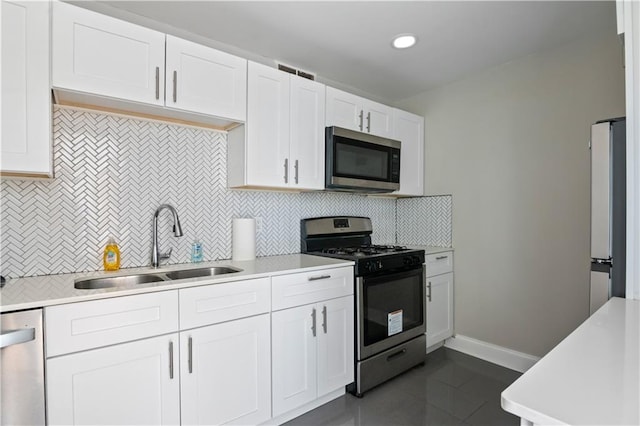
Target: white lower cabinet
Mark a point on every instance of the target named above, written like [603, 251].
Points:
[312, 349]
[439, 308]
[225, 373]
[125, 384]
[205, 355]
[439, 272]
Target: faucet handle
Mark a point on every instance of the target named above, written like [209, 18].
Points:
[166, 255]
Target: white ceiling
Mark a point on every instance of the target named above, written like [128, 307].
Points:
[349, 41]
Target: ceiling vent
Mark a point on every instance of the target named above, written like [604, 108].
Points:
[300, 73]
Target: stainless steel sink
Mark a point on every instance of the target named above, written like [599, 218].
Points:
[201, 272]
[132, 280]
[122, 281]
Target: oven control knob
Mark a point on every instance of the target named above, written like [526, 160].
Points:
[379, 264]
[369, 266]
[407, 261]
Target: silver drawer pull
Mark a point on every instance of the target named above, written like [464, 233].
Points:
[319, 277]
[286, 170]
[16, 337]
[157, 82]
[170, 360]
[190, 362]
[324, 319]
[175, 86]
[441, 257]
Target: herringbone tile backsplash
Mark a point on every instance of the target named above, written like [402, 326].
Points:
[111, 173]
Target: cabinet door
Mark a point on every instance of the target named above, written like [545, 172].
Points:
[344, 110]
[205, 80]
[439, 308]
[225, 373]
[98, 54]
[409, 129]
[307, 133]
[335, 344]
[294, 357]
[378, 119]
[267, 127]
[126, 384]
[26, 101]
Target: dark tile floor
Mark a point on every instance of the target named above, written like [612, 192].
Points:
[452, 388]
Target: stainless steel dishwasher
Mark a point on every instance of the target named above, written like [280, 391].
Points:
[22, 369]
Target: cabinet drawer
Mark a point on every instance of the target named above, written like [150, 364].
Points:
[310, 287]
[223, 302]
[85, 325]
[439, 263]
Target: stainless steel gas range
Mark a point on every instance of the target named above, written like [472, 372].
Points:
[390, 296]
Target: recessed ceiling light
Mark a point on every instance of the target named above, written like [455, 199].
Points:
[403, 41]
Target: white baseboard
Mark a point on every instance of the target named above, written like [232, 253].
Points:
[500, 355]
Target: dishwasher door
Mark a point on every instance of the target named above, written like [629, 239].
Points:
[22, 369]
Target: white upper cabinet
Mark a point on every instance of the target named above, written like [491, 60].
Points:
[205, 80]
[409, 130]
[116, 65]
[25, 123]
[360, 114]
[267, 126]
[97, 54]
[307, 132]
[282, 144]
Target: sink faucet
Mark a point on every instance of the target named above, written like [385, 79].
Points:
[156, 256]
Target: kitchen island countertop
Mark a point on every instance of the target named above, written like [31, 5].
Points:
[48, 290]
[591, 377]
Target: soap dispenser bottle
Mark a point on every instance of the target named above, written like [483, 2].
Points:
[111, 256]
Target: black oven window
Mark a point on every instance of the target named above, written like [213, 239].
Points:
[353, 160]
[391, 305]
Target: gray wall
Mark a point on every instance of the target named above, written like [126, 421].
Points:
[510, 145]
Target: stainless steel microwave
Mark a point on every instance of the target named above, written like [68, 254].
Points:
[361, 162]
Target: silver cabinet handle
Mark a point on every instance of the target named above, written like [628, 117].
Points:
[295, 166]
[286, 170]
[190, 355]
[369, 122]
[324, 319]
[319, 277]
[441, 257]
[157, 82]
[171, 360]
[360, 116]
[175, 86]
[15, 337]
[429, 294]
[313, 321]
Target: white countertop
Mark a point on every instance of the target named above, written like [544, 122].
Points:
[591, 377]
[47, 290]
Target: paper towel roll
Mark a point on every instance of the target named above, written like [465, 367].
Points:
[243, 234]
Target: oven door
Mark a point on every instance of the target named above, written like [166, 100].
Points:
[391, 309]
